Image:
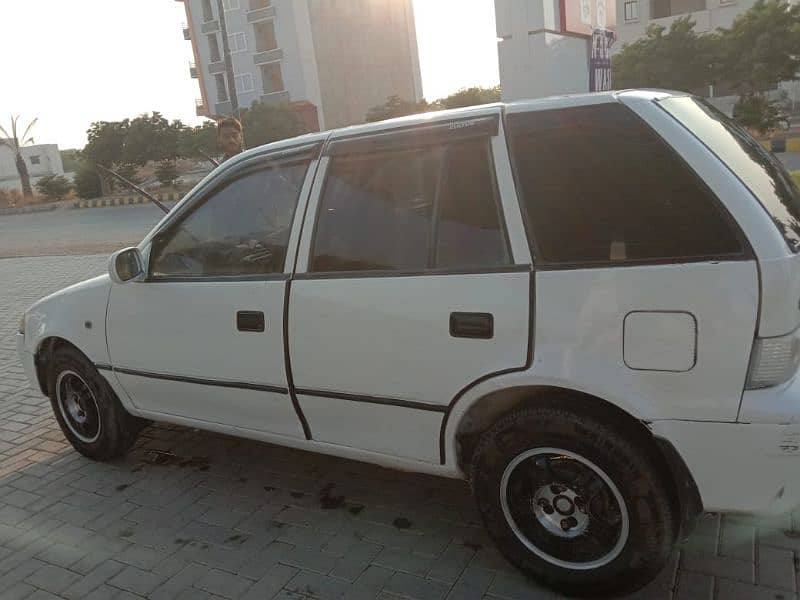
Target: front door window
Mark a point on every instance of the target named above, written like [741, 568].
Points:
[241, 229]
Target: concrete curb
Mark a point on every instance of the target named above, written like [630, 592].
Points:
[23, 210]
[124, 201]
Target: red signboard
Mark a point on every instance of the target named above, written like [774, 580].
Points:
[585, 16]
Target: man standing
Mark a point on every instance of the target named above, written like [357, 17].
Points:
[229, 137]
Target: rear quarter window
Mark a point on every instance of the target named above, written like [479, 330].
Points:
[601, 188]
[763, 174]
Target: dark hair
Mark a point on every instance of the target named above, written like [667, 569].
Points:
[229, 122]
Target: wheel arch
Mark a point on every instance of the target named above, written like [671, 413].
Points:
[481, 413]
[43, 355]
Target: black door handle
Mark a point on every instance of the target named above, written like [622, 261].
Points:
[250, 320]
[474, 325]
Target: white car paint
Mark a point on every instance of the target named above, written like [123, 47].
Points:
[366, 338]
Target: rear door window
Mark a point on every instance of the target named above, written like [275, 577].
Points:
[411, 209]
[759, 170]
[600, 188]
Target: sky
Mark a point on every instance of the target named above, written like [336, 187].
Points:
[72, 62]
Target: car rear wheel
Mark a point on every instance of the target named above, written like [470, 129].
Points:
[574, 501]
[87, 409]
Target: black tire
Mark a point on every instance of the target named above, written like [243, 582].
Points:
[107, 430]
[625, 457]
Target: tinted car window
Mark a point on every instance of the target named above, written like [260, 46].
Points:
[435, 206]
[470, 230]
[241, 229]
[600, 187]
[761, 172]
[376, 212]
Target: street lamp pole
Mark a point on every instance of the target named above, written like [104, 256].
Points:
[226, 52]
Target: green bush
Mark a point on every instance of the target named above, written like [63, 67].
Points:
[53, 187]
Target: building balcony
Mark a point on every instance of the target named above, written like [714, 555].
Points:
[192, 70]
[260, 14]
[660, 9]
[267, 56]
[200, 108]
[223, 108]
[209, 26]
[281, 97]
[217, 66]
[187, 33]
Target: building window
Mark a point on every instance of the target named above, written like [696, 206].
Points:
[213, 46]
[244, 83]
[230, 5]
[632, 10]
[272, 78]
[237, 42]
[265, 36]
[222, 90]
[256, 4]
[208, 12]
[35, 159]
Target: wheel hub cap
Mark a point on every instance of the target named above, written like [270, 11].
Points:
[564, 508]
[556, 509]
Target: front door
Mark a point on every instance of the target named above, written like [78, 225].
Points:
[202, 337]
[412, 290]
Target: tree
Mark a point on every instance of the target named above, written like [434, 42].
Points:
[395, 106]
[198, 142]
[679, 59]
[265, 123]
[53, 187]
[151, 137]
[15, 143]
[87, 181]
[472, 96]
[105, 147]
[70, 160]
[761, 49]
[166, 172]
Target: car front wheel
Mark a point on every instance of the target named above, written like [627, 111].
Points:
[574, 500]
[87, 409]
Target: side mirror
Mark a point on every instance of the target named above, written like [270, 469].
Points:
[126, 265]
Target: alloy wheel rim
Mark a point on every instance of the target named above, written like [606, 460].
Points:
[78, 406]
[564, 508]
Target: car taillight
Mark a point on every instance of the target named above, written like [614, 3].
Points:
[774, 361]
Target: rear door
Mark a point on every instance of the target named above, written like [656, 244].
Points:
[413, 282]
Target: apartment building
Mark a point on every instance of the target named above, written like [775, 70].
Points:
[329, 60]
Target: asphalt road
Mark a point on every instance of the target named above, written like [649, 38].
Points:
[76, 231]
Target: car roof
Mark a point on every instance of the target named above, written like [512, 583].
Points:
[518, 106]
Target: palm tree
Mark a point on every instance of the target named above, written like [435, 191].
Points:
[15, 144]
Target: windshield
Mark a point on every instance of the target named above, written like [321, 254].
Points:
[758, 169]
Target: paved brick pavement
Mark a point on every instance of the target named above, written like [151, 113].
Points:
[192, 515]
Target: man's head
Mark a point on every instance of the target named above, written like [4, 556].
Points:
[229, 136]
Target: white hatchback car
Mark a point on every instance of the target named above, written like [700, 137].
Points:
[587, 306]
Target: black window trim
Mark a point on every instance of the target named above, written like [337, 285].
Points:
[444, 143]
[307, 152]
[747, 253]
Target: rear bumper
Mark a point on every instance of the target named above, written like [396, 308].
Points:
[738, 467]
[28, 362]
